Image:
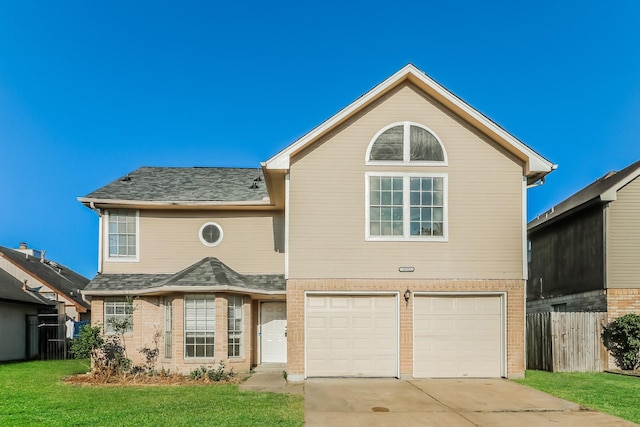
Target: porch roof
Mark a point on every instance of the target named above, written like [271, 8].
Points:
[207, 275]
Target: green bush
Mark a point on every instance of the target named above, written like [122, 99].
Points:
[89, 340]
[622, 338]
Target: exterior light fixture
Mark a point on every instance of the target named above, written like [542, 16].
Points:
[406, 269]
[407, 295]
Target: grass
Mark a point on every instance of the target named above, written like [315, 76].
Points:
[32, 394]
[614, 394]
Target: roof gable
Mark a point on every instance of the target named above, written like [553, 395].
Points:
[536, 166]
[603, 189]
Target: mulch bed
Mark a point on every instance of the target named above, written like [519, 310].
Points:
[142, 380]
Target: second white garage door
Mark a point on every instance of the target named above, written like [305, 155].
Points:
[351, 336]
[457, 336]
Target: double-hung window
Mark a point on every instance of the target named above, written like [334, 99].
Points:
[118, 315]
[234, 330]
[123, 235]
[406, 206]
[199, 325]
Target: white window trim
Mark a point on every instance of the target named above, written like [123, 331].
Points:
[406, 206]
[108, 258]
[106, 321]
[406, 147]
[217, 242]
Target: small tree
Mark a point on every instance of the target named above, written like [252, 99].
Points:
[622, 338]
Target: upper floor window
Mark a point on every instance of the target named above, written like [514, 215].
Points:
[210, 234]
[406, 142]
[123, 235]
[402, 206]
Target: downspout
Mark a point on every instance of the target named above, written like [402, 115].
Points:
[92, 206]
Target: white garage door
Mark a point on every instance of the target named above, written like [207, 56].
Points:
[457, 336]
[351, 336]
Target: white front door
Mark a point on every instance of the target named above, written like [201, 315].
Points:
[273, 332]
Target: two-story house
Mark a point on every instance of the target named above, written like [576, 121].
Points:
[584, 251]
[389, 241]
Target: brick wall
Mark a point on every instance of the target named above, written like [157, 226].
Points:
[619, 303]
[622, 301]
[148, 319]
[515, 314]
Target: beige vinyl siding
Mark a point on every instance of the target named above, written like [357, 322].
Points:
[623, 238]
[169, 241]
[327, 209]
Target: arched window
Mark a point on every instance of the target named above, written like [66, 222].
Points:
[406, 142]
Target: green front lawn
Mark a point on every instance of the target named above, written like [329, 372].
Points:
[32, 394]
[614, 394]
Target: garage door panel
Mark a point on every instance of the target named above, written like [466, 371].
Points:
[457, 336]
[363, 342]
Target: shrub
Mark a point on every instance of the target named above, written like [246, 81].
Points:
[218, 374]
[150, 356]
[622, 338]
[198, 373]
[89, 340]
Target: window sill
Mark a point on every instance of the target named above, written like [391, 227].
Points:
[199, 360]
[123, 259]
[406, 239]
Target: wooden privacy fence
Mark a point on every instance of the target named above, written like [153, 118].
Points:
[566, 342]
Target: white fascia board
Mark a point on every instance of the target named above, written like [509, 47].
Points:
[535, 162]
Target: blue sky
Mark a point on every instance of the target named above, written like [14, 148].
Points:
[92, 90]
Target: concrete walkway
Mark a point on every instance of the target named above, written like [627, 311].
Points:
[270, 378]
[435, 402]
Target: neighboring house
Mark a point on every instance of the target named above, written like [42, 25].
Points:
[19, 310]
[389, 241]
[585, 251]
[52, 280]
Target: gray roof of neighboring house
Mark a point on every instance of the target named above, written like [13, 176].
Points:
[56, 276]
[208, 274]
[597, 191]
[11, 290]
[193, 184]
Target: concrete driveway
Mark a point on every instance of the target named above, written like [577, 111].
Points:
[438, 402]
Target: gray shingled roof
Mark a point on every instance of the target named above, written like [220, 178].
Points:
[589, 194]
[123, 282]
[11, 290]
[196, 184]
[56, 276]
[210, 273]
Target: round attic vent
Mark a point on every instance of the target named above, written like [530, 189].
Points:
[210, 234]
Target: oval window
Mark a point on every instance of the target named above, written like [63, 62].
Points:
[210, 234]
